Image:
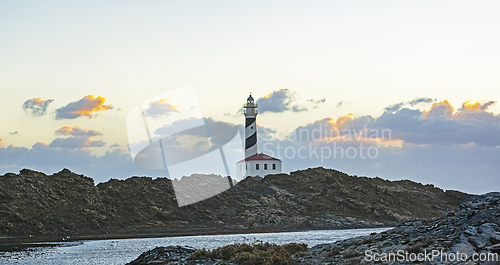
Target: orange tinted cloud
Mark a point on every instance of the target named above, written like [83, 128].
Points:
[347, 128]
[476, 106]
[79, 138]
[77, 131]
[86, 106]
[476, 112]
[343, 120]
[2, 145]
[281, 90]
[443, 108]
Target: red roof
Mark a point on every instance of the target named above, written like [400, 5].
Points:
[259, 157]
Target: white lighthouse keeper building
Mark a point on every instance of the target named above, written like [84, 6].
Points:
[254, 164]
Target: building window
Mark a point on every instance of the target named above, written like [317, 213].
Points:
[265, 166]
[274, 166]
[256, 166]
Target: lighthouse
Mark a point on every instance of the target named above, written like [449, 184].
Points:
[254, 164]
[250, 112]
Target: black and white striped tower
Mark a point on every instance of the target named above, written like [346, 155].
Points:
[250, 127]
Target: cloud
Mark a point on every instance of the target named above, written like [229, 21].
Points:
[194, 138]
[329, 129]
[86, 106]
[277, 101]
[282, 100]
[11, 155]
[75, 142]
[115, 163]
[417, 101]
[188, 139]
[217, 132]
[413, 102]
[160, 108]
[351, 122]
[312, 130]
[440, 125]
[42, 157]
[470, 112]
[36, 106]
[476, 106]
[431, 153]
[77, 131]
[180, 125]
[441, 145]
[316, 102]
[472, 169]
[185, 139]
[443, 108]
[13, 133]
[263, 133]
[79, 138]
[477, 114]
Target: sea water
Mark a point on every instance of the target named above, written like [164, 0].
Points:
[121, 251]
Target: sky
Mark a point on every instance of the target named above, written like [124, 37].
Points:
[425, 71]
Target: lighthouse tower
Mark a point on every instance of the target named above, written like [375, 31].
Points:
[254, 164]
[250, 127]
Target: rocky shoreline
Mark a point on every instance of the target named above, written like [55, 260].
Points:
[472, 231]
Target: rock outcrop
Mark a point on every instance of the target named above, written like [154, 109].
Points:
[172, 255]
[473, 231]
[68, 204]
[241, 254]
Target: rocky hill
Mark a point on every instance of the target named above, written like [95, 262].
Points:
[68, 204]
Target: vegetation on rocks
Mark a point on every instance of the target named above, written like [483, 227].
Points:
[252, 254]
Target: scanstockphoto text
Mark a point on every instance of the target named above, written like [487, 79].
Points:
[429, 256]
[325, 143]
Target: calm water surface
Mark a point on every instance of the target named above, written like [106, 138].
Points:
[121, 251]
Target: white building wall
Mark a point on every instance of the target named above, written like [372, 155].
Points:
[249, 168]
